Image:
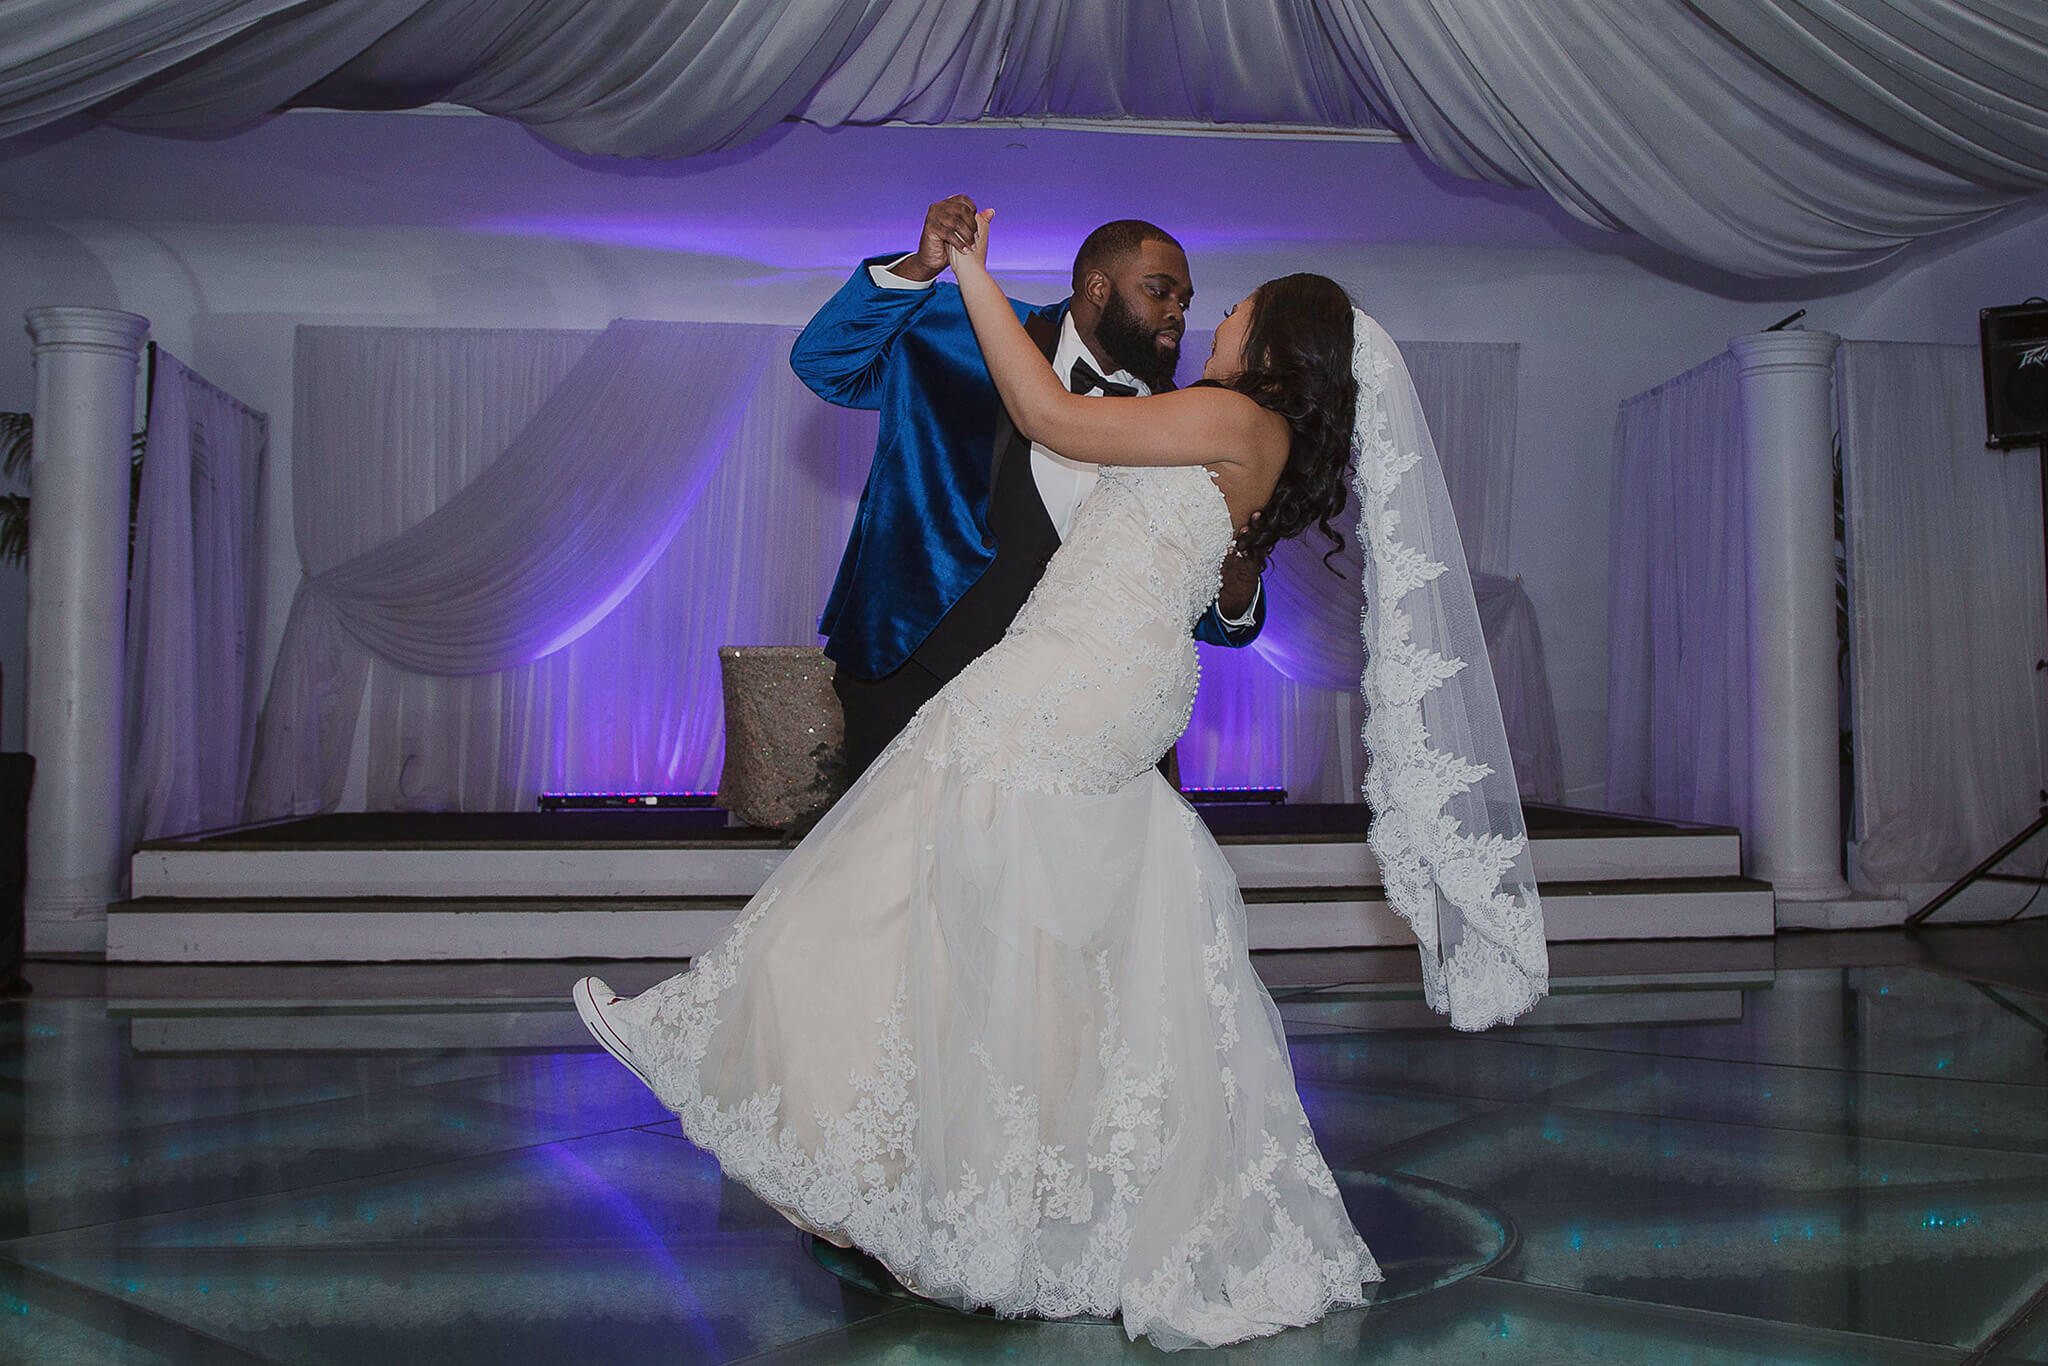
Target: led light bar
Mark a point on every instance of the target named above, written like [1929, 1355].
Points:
[625, 801]
[1218, 796]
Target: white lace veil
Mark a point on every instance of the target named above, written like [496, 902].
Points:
[1447, 827]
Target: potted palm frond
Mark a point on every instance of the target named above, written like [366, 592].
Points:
[17, 445]
[17, 434]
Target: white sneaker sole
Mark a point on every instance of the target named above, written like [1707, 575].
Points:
[592, 1014]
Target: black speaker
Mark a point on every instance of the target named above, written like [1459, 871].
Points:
[17, 775]
[2015, 347]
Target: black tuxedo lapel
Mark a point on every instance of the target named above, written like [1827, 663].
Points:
[1015, 526]
[1043, 327]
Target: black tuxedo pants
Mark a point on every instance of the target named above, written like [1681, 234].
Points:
[877, 709]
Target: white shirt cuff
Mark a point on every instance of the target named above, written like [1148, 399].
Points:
[885, 277]
[1251, 613]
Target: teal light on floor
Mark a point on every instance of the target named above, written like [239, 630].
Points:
[1703, 1156]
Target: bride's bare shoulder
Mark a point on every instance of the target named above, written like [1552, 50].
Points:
[1252, 435]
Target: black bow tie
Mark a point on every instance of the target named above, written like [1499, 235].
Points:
[1083, 379]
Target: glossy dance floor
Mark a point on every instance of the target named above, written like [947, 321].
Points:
[1827, 1149]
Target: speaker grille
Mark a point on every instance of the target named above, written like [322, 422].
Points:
[2015, 354]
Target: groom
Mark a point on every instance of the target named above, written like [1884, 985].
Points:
[961, 513]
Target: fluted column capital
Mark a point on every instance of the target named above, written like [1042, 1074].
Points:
[71, 327]
[1761, 352]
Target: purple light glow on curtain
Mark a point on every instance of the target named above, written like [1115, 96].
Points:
[1286, 712]
[548, 539]
[681, 474]
[636, 703]
[1257, 725]
[537, 541]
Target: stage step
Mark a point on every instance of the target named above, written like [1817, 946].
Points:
[391, 886]
[737, 866]
[415, 1008]
[1661, 908]
[377, 929]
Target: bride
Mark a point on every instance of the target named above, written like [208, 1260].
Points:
[994, 1020]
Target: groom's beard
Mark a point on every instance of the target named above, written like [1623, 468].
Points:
[1133, 346]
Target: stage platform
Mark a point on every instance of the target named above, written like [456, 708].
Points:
[398, 886]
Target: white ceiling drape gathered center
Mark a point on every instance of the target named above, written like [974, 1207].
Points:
[1774, 138]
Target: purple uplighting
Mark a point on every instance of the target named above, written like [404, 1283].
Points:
[624, 801]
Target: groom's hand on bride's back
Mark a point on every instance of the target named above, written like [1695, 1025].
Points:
[1240, 581]
[1240, 578]
[948, 223]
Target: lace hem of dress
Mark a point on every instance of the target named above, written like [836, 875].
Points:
[975, 1247]
[1499, 967]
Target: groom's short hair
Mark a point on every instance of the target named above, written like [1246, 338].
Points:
[1112, 242]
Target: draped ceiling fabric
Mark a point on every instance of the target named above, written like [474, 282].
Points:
[1764, 137]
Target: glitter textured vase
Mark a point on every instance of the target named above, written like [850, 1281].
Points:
[783, 733]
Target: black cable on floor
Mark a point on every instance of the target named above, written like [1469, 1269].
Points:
[2038, 878]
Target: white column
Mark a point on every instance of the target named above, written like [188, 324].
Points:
[77, 593]
[1787, 397]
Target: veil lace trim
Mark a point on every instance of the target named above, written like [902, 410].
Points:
[1447, 827]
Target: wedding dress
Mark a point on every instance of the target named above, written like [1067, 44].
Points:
[994, 1019]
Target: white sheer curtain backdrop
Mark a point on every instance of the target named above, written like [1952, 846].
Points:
[1507, 619]
[404, 441]
[529, 544]
[1945, 581]
[1471, 394]
[1677, 614]
[635, 704]
[195, 606]
[1286, 712]
[1766, 137]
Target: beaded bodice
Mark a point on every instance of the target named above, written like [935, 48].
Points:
[1096, 677]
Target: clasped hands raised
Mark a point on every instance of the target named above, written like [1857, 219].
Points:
[954, 230]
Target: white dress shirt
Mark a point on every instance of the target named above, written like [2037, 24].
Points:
[1062, 483]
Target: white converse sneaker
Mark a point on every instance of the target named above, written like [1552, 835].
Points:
[592, 998]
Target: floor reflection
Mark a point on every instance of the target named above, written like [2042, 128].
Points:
[1828, 1149]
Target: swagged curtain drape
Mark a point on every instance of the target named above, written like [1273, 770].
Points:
[399, 441]
[1765, 137]
[1289, 705]
[1946, 616]
[195, 606]
[635, 703]
[466, 505]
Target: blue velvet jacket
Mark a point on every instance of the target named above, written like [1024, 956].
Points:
[920, 535]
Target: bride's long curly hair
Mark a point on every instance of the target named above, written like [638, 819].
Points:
[1297, 363]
